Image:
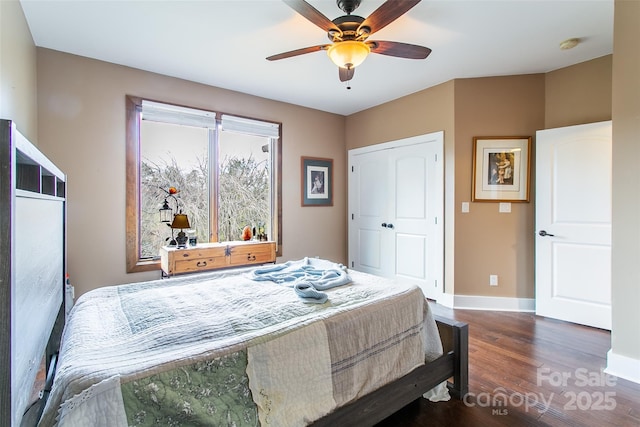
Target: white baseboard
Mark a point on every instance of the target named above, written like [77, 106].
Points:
[475, 302]
[446, 300]
[623, 367]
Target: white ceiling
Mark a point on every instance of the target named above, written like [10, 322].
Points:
[224, 43]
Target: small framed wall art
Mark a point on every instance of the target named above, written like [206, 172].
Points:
[317, 181]
[501, 168]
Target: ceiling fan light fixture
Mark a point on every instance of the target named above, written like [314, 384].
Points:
[349, 53]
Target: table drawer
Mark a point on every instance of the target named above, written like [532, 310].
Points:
[199, 264]
[252, 254]
[197, 253]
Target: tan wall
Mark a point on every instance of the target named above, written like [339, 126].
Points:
[82, 128]
[423, 112]
[579, 94]
[488, 242]
[625, 338]
[17, 70]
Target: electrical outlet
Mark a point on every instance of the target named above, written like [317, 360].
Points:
[493, 280]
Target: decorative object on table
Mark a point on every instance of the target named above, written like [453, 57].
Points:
[174, 221]
[246, 233]
[261, 236]
[181, 222]
[317, 181]
[166, 213]
[501, 168]
[193, 238]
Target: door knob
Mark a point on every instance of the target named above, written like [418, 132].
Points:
[384, 224]
[389, 225]
[544, 233]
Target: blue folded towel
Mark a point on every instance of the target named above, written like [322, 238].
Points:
[307, 276]
[322, 274]
[307, 293]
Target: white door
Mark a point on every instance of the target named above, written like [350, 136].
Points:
[395, 207]
[573, 224]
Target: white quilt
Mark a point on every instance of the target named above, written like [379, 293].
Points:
[123, 333]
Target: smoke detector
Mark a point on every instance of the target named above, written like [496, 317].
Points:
[569, 43]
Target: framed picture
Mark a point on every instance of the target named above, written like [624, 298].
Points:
[317, 181]
[501, 168]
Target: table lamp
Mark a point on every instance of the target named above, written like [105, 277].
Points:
[181, 221]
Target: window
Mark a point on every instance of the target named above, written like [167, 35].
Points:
[225, 168]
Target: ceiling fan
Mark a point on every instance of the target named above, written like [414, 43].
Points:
[349, 34]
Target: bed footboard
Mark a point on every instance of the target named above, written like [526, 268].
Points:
[452, 366]
[455, 342]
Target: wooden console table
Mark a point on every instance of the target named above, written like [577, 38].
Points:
[214, 256]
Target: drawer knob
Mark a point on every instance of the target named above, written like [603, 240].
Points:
[201, 264]
[251, 257]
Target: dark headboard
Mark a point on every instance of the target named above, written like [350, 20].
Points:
[32, 269]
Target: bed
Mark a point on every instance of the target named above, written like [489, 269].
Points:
[253, 346]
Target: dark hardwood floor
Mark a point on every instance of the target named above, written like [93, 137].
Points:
[526, 370]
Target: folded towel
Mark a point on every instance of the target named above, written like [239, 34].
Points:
[329, 278]
[307, 293]
[322, 274]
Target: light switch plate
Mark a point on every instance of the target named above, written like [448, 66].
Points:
[465, 207]
[505, 208]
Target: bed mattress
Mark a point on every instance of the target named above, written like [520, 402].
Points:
[225, 349]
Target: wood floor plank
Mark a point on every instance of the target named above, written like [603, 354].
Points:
[548, 373]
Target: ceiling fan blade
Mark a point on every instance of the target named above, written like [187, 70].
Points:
[401, 50]
[313, 15]
[388, 12]
[346, 74]
[297, 52]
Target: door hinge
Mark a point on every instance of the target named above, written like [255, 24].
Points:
[352, 169]
[352, 217]
[435, 220]
[352, 264]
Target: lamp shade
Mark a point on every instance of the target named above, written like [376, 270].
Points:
[348, 54]
[180, 221]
